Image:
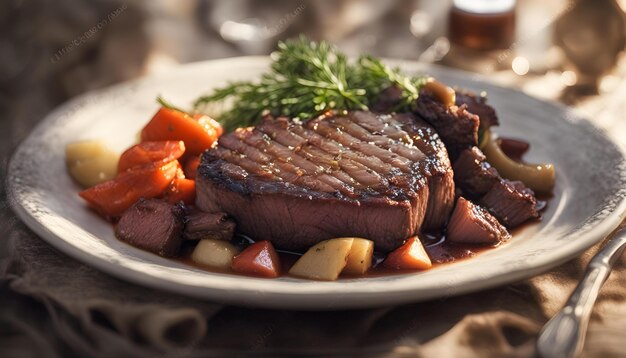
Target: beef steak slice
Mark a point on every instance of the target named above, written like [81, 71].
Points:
[381, 177]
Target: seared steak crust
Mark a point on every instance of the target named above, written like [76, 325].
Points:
[382, 177]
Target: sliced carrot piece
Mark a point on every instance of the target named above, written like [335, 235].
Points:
[410, 256]
[258, 259]
[170, 124]
[113, 197]
[181, 189]
[191, 167]
[161, 152]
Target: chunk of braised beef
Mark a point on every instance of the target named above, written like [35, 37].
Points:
[472, 224]
[473, 174]
[511, 202]
[478, 105]
[457, 126]
[153, 225]
[201, 225]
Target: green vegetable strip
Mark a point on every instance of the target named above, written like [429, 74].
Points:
[307, 79]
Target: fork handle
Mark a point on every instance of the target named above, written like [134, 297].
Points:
[564, 335]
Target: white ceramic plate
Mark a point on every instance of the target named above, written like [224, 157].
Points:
[589, 200]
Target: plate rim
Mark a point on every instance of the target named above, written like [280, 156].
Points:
[293, 300]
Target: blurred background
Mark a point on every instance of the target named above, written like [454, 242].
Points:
[565, 50]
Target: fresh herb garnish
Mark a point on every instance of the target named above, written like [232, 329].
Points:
[307, 79]
[169, 105]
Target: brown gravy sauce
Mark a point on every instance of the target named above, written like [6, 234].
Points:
[441, 252]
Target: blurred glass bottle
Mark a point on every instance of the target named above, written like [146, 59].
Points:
[482, 24]
[480, 30]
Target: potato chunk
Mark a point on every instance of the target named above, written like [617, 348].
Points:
[214, 253]
[360, 257]
[324, 261]
[91, 162]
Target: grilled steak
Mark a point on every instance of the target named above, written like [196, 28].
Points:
[382, 177]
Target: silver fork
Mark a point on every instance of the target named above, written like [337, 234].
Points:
[564, 335]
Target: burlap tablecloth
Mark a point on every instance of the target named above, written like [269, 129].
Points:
[54, 306]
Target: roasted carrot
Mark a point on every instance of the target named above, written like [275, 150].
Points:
[208, 121]
[259, 259]
[191, 167]
[170, 124]
[113, 197]
[161, 152]
[410, 256]
[181, 189]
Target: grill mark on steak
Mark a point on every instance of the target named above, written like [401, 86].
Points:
[354, 171]
[297, 184]
[428, 141]
[289, 171]
[348, 126]
[349, 173]
[281, 153]
[278, 131]
[250, 166]
[437, 164]
[235, 144]
[279, 171]
[284, 159]
[360, 167]
[324, 128]
[357, 167]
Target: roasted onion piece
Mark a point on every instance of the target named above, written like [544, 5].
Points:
[538, 177]
[443, 93]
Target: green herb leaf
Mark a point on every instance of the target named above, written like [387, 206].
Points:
[306, 79]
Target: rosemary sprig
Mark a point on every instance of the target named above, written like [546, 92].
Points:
[307, 78]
